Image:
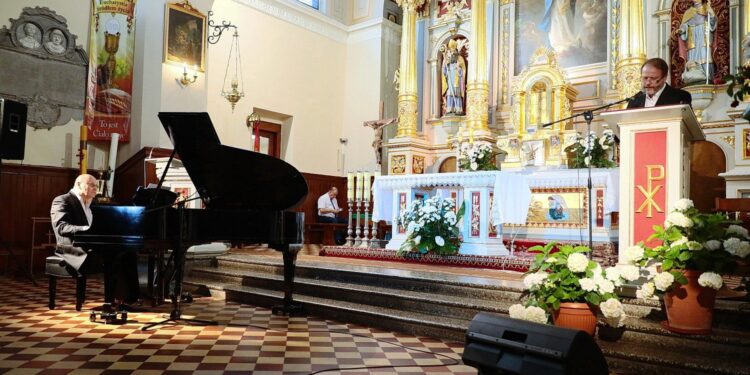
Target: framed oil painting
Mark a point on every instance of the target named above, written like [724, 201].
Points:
[185, 36]
[575, 29]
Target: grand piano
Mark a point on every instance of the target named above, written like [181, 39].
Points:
[247, 198]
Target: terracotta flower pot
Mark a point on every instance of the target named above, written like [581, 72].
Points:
[690, 307]
[576, 316]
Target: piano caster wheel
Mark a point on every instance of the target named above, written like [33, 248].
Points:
[92, 317]
[186, 298]
[124, 316]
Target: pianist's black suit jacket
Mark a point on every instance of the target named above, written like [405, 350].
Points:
[68, 217]
[670, 96]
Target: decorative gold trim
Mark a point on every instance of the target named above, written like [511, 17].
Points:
[745, 144]
[397, 164]
[728, 139]
[560, 190]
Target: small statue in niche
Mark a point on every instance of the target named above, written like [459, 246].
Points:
[454, 77]
[696, 42]
[29, 36]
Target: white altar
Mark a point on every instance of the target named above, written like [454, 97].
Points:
[491, 198]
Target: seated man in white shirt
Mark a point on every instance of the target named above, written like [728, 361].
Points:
[328, 208]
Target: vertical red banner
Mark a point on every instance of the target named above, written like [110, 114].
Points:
[401, 208]
[599, 208]
[110, 78]
[650, 184]
[491, 228]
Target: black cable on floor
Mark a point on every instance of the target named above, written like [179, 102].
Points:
[454, 361]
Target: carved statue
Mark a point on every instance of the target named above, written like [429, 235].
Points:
[696, 42]
[377, 141]
[454, 77]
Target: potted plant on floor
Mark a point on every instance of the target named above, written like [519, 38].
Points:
[569, 287]
[431, 227]
[696, 248]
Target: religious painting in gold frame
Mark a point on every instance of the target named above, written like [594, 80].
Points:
[558, 208]
[185, 36]
[746, 144]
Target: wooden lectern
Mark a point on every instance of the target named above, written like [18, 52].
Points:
[655, 146]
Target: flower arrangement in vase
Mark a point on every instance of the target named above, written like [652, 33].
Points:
[477, 157]
[567, 280]
[431, 227]
[592, 150]
[696, 248]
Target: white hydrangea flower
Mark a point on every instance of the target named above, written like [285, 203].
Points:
[682, 241]
[417, 239]
[711, 280]
[683, 204]
[412, 227]
[439, 241]
[679, 219]
[587, 160]
[605, 286]
[712, 245]
[611, 308]
[738, 230]
[663, 280]
[647, 291]
[629, 272]
[577, 262]
[536, 314]
[694, 245]
[587, 284]
[517, 311]
[612, 274]
[737, 247]
[474, 166]
[533, 280]
[633, 254]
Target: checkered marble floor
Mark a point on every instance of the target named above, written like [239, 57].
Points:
[36, 340]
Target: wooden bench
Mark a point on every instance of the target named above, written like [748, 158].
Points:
[322, 233]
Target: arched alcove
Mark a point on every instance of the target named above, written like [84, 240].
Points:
[706, 162]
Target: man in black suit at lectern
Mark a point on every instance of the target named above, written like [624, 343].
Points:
[656, 91]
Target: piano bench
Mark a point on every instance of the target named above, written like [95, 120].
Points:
[55, 267]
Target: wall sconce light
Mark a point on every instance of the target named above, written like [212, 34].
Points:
[252, 121]
[184, 81]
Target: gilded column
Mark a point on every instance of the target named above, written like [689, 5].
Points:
[632, 47]
[407, 91]
[477, 88]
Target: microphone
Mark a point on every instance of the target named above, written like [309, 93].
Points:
[637, 95]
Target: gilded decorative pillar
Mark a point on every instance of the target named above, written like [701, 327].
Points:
[477, 88]
[407, 91]
[632, 47]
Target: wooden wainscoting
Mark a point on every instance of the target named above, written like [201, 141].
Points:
[27, 191]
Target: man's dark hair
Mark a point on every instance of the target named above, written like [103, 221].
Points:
[658, 63]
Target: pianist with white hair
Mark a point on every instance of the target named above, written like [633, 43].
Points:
[70, 214]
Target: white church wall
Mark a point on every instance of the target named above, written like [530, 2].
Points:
[287, 70]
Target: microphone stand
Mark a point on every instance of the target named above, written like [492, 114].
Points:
[179, 260]
[589, 116]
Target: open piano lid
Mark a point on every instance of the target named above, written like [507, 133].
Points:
[228, 177]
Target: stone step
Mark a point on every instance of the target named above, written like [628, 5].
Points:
[405, 300]
[427, 282]
[343, 311]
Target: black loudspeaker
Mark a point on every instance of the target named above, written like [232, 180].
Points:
[12, 129]
[497, 344]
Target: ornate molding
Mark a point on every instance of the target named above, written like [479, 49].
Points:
[729, 139]
[307, 19]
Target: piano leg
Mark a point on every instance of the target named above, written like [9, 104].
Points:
[289, 253]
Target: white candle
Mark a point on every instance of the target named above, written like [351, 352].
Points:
[366, 190]
[360, 181]
[350, 186]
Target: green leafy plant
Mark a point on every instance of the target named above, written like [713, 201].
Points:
[690, 240]
[569, 276]
[739, 84]
[477, 157]
[592, 150]
[431, 226]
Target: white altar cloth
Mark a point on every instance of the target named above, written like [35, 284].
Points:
[511, 192]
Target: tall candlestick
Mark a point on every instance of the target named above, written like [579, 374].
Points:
[366, 189]
[350, 186]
